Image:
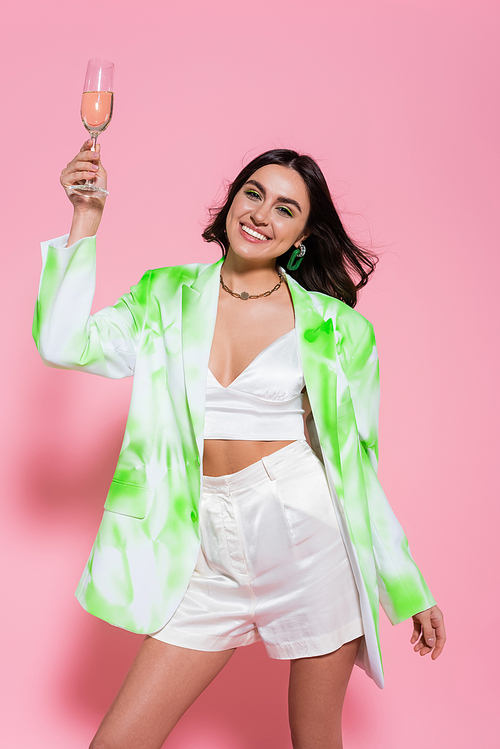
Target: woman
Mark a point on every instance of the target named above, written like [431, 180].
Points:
[297, 547]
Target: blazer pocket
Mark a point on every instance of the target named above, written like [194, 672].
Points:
[128, 499]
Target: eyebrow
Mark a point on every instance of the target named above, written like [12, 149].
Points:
[281, 199]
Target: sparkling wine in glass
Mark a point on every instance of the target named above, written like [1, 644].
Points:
[96, 110]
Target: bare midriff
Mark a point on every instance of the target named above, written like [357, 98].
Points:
[222, 457]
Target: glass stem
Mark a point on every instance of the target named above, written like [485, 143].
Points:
[92, 148]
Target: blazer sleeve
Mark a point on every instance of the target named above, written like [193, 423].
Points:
[65, 333]
[402, 588]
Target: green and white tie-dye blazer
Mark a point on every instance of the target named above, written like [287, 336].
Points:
[161, 333]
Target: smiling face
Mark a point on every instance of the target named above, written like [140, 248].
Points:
[268, 215]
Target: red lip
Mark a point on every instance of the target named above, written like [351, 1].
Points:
[249, 237]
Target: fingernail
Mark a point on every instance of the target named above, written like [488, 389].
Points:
[94, 167]
[430, 641]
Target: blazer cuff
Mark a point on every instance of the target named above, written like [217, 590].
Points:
[60, 243]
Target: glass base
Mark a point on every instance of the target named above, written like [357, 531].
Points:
[88, 190]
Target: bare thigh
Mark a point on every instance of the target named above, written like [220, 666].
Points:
[316, 695]
[163, 681]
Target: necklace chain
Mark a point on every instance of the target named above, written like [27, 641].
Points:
[245, 295]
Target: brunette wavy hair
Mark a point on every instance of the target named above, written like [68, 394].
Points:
[333, 263]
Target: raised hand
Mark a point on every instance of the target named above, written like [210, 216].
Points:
[87, 208]
[86, 165]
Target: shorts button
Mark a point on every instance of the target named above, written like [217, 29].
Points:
[194, 516]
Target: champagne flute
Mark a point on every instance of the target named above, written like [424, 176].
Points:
[96, 111]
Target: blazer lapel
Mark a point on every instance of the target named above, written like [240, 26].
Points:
[199, 311]
[332, 408]
[320, 364]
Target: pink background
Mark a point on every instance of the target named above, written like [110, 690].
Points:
[399, 103]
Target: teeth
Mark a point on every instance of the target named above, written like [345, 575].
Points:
[253, 233]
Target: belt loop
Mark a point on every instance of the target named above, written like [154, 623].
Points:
[268, 468]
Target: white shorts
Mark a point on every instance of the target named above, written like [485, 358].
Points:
[272, 565]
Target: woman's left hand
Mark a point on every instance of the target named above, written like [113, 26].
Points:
[429, 626]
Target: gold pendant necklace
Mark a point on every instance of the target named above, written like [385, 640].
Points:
[245, 295]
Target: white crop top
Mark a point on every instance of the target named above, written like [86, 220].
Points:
[264, 402]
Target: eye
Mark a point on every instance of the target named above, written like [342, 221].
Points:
[286, 211]
[252, 194]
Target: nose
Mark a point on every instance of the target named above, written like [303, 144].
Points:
[260, 215]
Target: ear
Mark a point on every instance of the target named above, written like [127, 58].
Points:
[301, 239]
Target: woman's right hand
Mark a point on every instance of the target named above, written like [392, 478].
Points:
[87, 208]
[85, 165]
